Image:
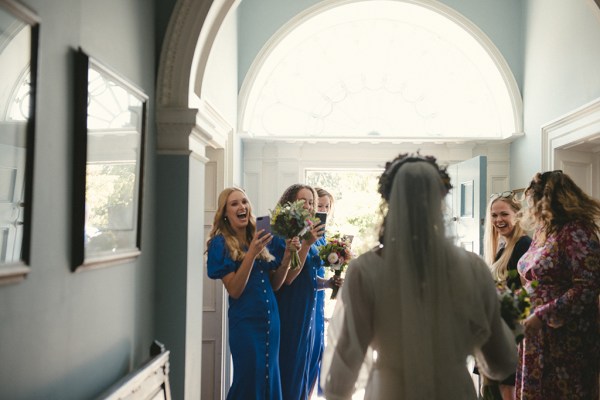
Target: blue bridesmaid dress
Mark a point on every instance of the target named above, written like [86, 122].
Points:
[297, 304]
[253, 327]
[319, 345]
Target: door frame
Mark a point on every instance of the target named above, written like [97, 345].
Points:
[580, 127]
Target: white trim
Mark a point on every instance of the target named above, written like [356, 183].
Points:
[578, 126]
[12, 273]
[185, 130]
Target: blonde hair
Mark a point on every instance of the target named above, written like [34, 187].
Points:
[553, 200]
[324, 193]
[222, 226]
[491, 239]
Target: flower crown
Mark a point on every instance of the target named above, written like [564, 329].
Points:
[391, 167]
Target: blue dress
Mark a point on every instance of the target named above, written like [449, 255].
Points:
[297, 314]
[317, 352]
[253, 327]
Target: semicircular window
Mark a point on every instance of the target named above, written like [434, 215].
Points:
[380, 70]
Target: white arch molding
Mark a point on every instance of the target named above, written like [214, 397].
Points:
[510, 124]
[185, 121]
[188, 129]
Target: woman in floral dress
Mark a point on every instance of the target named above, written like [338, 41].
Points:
[559, 357]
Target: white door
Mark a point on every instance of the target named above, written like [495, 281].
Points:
[215, 371]
[466, 203]
[582, 165]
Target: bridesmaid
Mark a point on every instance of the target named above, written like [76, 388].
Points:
[238, 255]
[297, 300]
[325, 205]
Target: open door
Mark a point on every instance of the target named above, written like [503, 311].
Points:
[466, 203]
[582, 164]
[215, 354]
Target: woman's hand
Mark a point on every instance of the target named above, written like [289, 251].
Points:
[331, 283]
[335, 281]
[260, 240]
[293, 244]
[316, 232]
[532, 324]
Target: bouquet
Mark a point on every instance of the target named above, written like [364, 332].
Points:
[290, 220]
[515, 306]
[336, 254]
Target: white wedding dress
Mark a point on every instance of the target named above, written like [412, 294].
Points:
[421, 304]
[360, 326]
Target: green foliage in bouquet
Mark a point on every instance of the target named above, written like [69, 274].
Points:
[515, 306]
[290, 220]
[336, 254]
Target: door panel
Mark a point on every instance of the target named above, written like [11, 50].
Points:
[579, 165]
[214, 328]
[466, 203]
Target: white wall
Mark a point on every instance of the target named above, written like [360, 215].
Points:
[270, 167]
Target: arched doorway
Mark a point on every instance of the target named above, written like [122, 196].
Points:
[198, 146]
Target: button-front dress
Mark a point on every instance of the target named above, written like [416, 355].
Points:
[253, 327]
[297, 304]
[319, 345]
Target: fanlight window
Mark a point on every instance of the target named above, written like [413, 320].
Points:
[380, 70]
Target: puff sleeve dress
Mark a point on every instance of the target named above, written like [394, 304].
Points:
[253, 327]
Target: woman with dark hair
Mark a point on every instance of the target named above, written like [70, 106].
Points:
[238, 255]
[297, 300]
[414, 308]
[559, 356]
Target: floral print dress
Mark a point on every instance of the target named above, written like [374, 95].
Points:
[561, 361]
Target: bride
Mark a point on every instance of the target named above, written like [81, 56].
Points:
[412, 310]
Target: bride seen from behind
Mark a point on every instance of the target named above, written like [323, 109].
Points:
[418, 301]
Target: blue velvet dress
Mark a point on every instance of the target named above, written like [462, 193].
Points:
[319, 345]
[253, 327]
[297, 304]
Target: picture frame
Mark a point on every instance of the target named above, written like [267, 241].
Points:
[110, 122]
[19, 39]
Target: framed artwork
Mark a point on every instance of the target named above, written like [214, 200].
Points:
[110, 128]
[19, 33]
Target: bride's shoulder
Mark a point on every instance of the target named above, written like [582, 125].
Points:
[472, 262]
[366, 262]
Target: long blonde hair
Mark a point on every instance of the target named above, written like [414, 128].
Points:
[491, 239]
[222, 226]
[324, 193]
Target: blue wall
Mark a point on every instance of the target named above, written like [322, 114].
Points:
[501, 21]
[561, 72]
[66, 335]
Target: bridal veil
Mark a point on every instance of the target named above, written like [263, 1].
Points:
[408, 319]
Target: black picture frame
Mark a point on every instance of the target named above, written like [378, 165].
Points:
[110, 122]
[19, 37]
